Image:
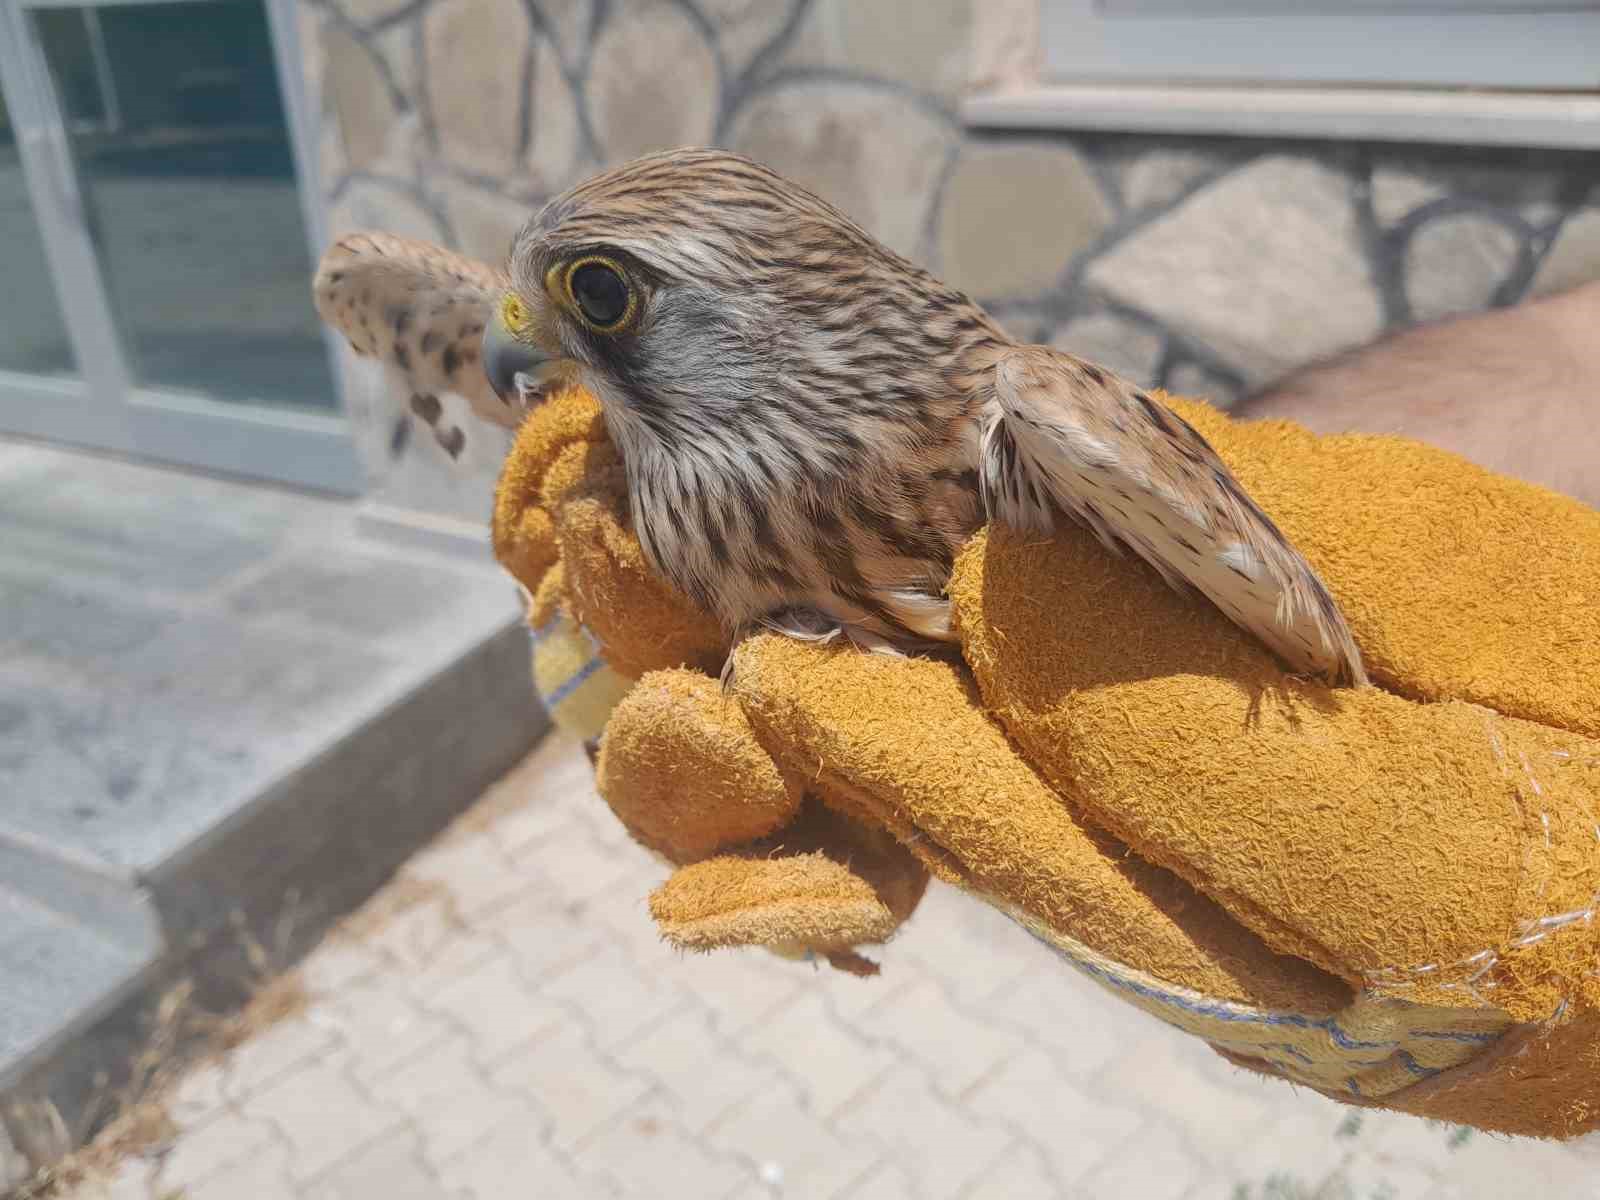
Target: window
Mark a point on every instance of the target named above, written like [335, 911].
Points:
[1514, 71]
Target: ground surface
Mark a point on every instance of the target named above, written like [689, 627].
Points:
[502, 1022]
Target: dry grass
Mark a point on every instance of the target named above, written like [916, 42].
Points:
[133, 1118]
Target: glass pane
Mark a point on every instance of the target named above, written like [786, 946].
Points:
[183, 157]
[33, 338]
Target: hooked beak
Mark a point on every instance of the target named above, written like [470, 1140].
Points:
[516, 370]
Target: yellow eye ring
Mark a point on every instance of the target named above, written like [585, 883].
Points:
[514, 314]
[599, 292]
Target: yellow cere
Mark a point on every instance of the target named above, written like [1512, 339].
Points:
[514, 314]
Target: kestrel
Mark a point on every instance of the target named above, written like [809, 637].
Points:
[811, 425]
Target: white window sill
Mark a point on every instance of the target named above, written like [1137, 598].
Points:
[1568, 120]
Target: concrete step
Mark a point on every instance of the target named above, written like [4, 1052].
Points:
[226, 713]
[58, 976]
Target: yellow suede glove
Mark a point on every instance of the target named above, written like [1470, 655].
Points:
[1385, 894]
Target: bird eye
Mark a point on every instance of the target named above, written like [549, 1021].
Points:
[600, 292]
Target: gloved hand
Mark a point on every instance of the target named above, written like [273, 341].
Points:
[1387, 894]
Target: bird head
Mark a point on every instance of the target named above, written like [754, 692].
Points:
[687, 288]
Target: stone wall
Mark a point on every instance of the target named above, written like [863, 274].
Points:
[1208, 265]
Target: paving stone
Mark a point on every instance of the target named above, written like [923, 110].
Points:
[1397, 192]
[509, 1158]
[1367, 1175]
[1074, 1126]
[476, 875]
[957, 1048]
[674, 1054]
[197, 1097]
[474, 51]
[546, 937]
[567, 1081]
[616, 997]
[1101, 1031]
[359, 96]
[273, 1053]
[885, 1182]
[1158, 1170]
[1456, 263]
[1306, 1140]
[390, 1167]
[943, 1149]
[229, 1139]
[496, 1008]
[652, 81]
[1219, 1114]
[448, 1098]
[1014, 216]
[264, 1175]
[573, 866]
[875, 154]
[337, 963]
[322, 1116]
[740, 986]
[1017, 1175]
[1159, 177]
[1126, 347]
[378, 1026]
[791, 1142]
[648, 1156]
[925, 44]
[1265, 265]
[831, 1063]
[1573, 258]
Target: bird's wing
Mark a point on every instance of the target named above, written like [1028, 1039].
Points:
[1060, 432]
[420, 310]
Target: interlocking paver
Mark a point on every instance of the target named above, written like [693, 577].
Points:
[493, 1026]
[218, 1144]
[273, 1053]
[647, 1155]
[675, 1052]
[1154, 1168]
[478, 876]
[377, 1026]
[446, 1095]
[1017, 1175]
[511, 1160]
[1074, 1128]
[322, 1116]
[790, 1143]
[496, 1008]
[617, 997]
[942, 1148]
[197, 1097]
[958, 1049]
[830, 1061]
[261, 1176]
[575, 1090]
[391, 1168]
[1223, 1106]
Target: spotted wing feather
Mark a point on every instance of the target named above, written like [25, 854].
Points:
[420, 310]
[1061, 433]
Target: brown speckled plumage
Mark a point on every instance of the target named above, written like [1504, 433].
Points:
[813, 425]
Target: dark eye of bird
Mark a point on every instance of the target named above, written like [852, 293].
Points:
[600, 293]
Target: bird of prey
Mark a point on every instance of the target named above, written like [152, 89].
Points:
[811, 425]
